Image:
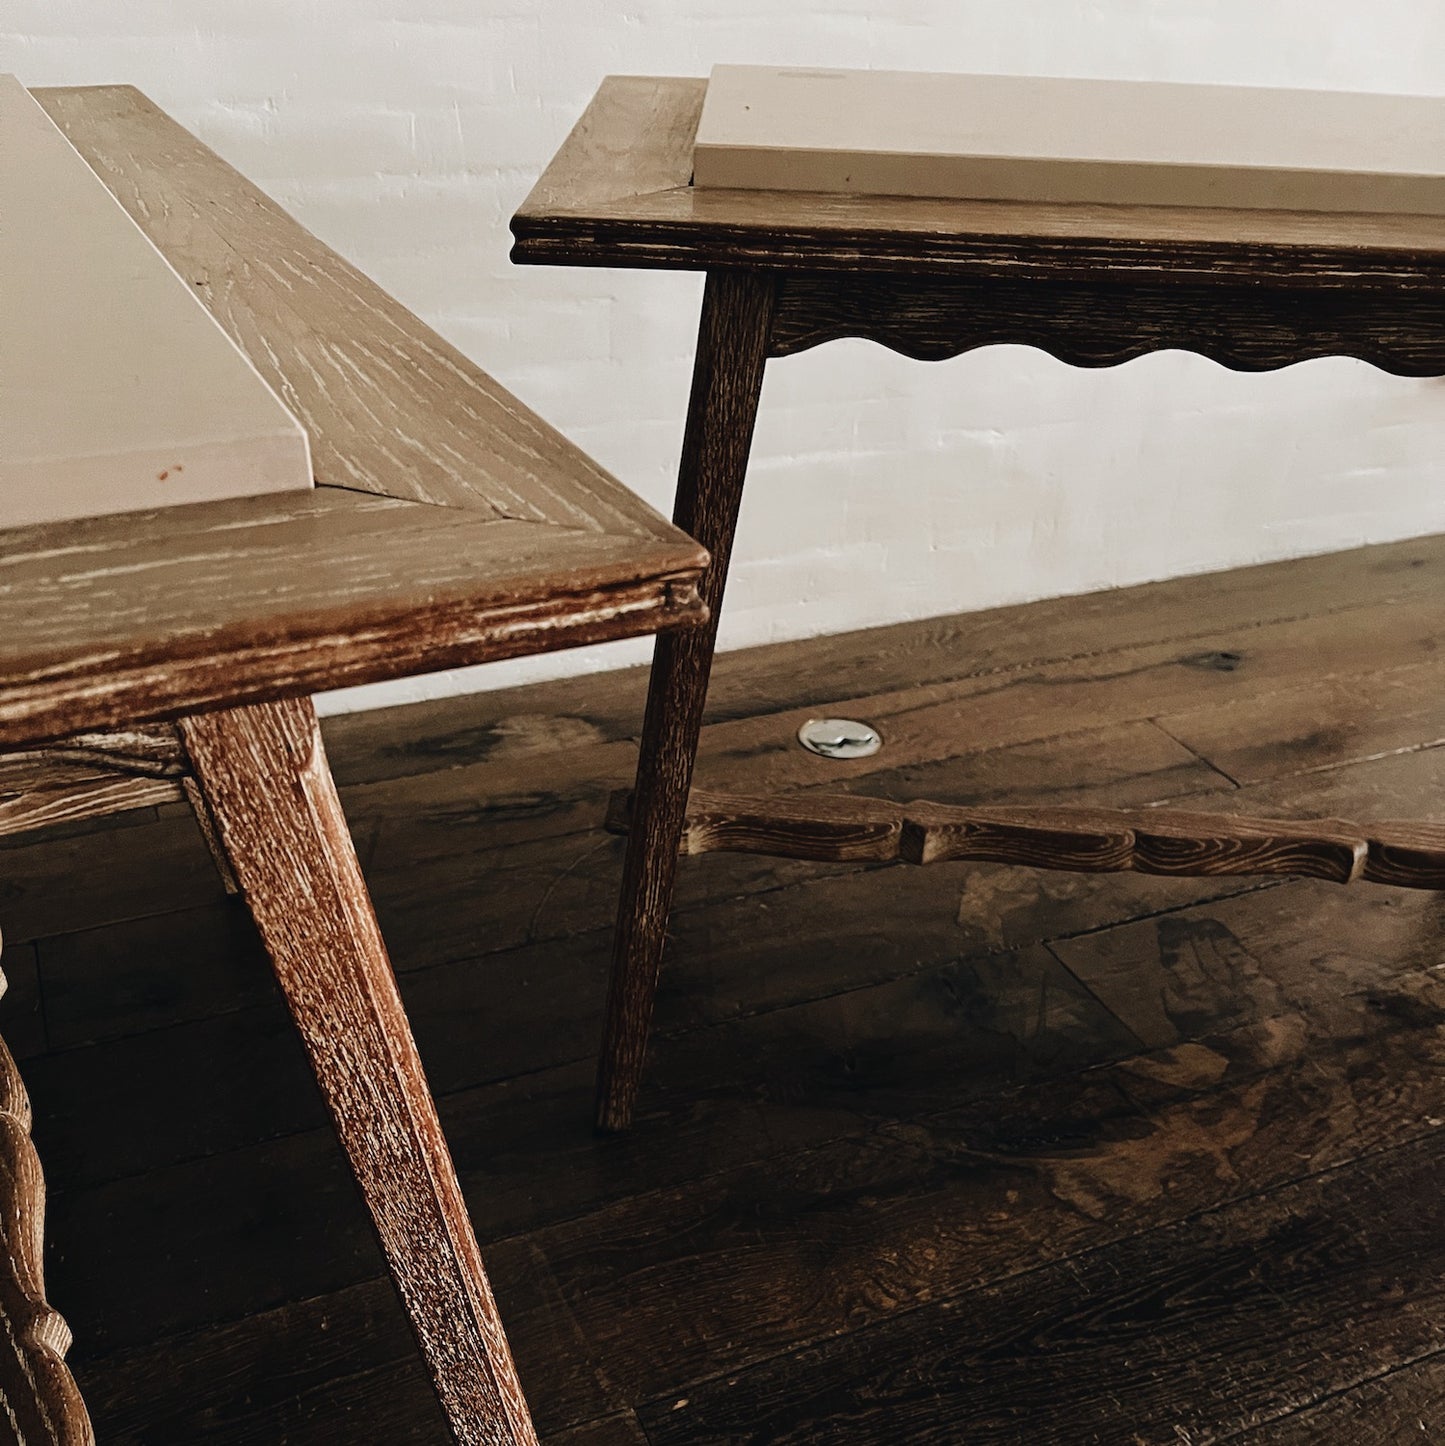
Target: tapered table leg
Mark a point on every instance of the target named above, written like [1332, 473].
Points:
[264, 775]
[727, 379]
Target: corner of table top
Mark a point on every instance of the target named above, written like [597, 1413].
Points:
[634, 138]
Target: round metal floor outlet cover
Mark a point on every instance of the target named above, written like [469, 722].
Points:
[839, 738]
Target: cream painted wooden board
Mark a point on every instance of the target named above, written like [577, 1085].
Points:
[118, 390]
[873, 132]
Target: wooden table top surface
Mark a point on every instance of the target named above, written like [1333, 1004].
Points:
[449, 525]
[618, 193]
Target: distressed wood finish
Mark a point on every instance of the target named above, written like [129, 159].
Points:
[390, 407]
[264, 773]
[1101, 324]
[90, 775]
[450, 525]
[1172, 842]
[233, 602]
[617, 194]
[40, 1404]
[1094, 285]
[1220, 1312]
[727, 379]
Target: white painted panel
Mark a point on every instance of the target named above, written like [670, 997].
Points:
[118, 390]
[1028, 138]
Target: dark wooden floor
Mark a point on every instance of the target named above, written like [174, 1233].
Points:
[958, 1154]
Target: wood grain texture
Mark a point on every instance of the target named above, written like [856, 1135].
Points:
[389, 406]
[943, 1043]
[263, 771]
[450, 525]
[727, 380]
[40, 1404]
[1399, 1407]
[1100, 324]
[992, 688]
[830, 1244]
[1053, 1137]
[90, 775]
[1171, 842]
[73, 799]
[617, 194]
[1208, 616]
[1225, 1321]
[111, 621]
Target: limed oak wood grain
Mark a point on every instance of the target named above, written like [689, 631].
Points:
[727, 380]
[390, 407]
[90, 775]
[264, 774]
[114, 621]
[449, 524]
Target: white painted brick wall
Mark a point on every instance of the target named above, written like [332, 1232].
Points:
[405, 134]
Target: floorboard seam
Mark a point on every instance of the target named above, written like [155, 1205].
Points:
[678, 1033]
[1194, 752]
[1066, 1260]
[1092, 993]
[1245, 1432]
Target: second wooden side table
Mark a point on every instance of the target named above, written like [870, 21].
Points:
[1093, 285]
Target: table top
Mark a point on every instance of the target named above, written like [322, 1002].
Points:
[449, 524]
[618, 193]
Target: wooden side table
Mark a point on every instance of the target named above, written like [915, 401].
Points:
[156, 655]
[1094, 285]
